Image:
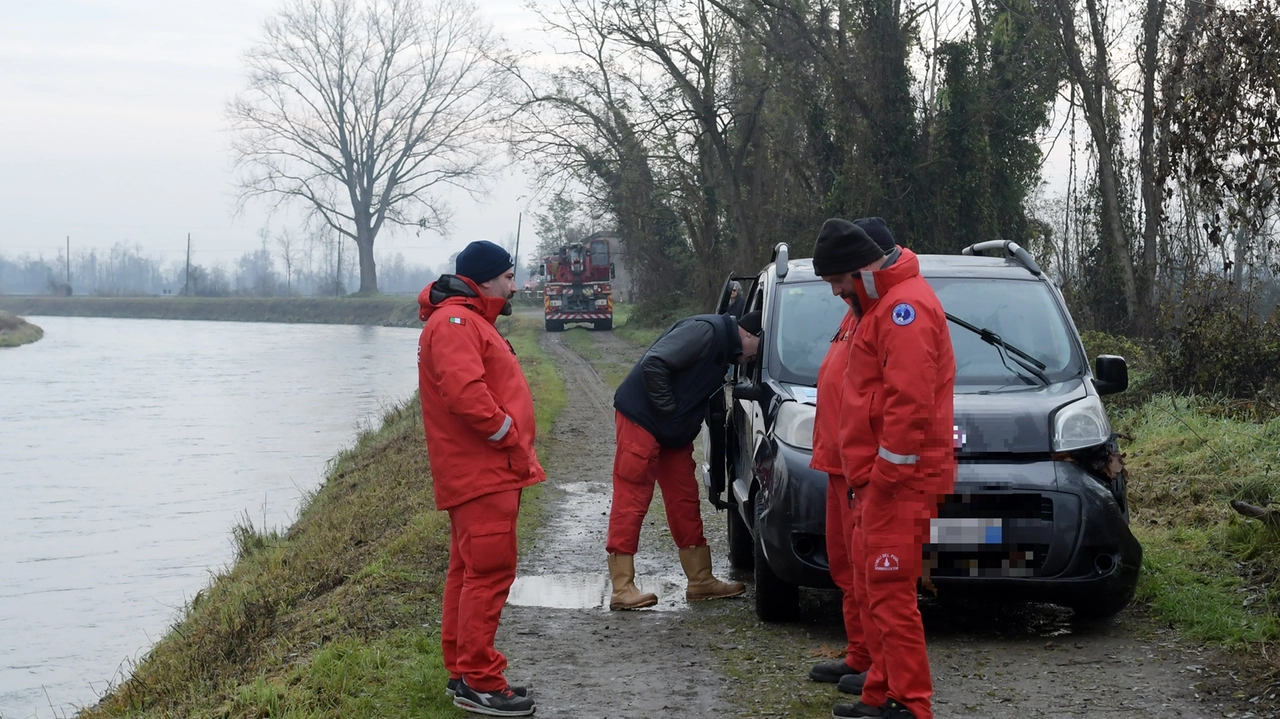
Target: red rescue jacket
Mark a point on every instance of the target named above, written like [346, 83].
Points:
[477, 411]
[826, 422]
[897, 420]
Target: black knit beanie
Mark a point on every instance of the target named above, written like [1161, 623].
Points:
[877, 230]
[843, 247]
[482, 261]
[751, 323]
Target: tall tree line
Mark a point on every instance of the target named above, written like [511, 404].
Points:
[708, 130]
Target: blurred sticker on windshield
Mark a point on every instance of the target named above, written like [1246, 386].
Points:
[904, 314]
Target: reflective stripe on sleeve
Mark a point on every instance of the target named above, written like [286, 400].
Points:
[898, 458]
[497, 436]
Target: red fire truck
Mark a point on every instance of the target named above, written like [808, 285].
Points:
[578, 285]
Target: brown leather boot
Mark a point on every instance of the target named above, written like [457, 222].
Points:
[702, 584]
[626, 595]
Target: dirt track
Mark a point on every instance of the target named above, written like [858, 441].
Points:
[715, 658]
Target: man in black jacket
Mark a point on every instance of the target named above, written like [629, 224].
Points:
[659, 410]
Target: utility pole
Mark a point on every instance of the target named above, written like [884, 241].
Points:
[519, 221]
[337, 280]
[186, 282]
[68, 262]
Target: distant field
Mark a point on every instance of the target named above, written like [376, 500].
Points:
[390, 310]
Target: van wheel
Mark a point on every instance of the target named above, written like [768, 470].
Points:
[741, 547]
[776, 600]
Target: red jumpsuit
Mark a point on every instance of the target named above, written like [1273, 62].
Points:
[477, 414]
[639, 461]
[896, 435]
[840, 505]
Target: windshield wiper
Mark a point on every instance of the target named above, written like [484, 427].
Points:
[1024, 360]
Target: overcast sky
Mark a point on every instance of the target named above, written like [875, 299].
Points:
[112, 129]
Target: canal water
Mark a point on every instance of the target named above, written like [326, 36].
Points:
[128, 450]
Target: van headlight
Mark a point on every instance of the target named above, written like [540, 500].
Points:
[795, 424]
[1080, 424]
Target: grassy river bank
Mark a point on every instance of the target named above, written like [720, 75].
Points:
[15, 331]
[338, 616]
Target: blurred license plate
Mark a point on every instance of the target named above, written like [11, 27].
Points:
[966, 530]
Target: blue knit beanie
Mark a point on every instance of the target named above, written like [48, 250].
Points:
[482, 261]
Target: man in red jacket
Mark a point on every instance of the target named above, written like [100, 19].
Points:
[850, 672]
[896, 428]
[477, 414]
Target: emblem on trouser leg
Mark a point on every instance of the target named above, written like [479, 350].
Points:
[887, 563]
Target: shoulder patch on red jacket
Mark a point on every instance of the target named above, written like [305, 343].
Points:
[457, 321]
[903, 314]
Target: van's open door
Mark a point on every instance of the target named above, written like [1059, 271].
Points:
[717, 415]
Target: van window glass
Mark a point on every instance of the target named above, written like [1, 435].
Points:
[807, 316]
[1024, 313]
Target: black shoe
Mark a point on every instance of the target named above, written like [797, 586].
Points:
[831, 672]
[893, 709]
[856, 710]
[502, 703]
[852, 683]
[452, 688]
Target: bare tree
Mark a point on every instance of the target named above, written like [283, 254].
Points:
[290, 251]
[365, 111]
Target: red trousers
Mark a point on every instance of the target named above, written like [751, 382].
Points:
[482, 566]
[638, 463]
[889, 535]
[841, 517]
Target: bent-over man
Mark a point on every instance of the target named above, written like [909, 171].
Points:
[659, 411]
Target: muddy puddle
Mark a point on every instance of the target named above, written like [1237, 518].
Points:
[590, 591]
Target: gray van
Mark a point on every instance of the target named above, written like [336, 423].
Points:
[1039, 511]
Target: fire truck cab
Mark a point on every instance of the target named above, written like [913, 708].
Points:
[577, 285]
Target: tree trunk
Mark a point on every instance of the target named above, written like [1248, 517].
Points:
[368, 271]
[1095, 112]
[1149, 152]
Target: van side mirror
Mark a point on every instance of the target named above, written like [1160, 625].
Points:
[613, 272]
[1111, 374]
[748, 390]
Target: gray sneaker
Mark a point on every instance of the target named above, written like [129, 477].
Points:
[501, 703]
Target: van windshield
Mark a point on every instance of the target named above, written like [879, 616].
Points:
[1023, 312]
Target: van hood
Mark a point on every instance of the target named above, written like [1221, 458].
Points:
[1011, 421]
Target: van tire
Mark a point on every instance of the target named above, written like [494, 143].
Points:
[742, 549]
[776, 600]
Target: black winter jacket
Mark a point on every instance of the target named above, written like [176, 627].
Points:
[667, 391]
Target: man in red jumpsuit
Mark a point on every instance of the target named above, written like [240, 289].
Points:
[659, 410]
[477, 414]
[850, 672]
[896, 428]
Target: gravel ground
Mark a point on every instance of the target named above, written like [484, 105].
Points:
[715, 658]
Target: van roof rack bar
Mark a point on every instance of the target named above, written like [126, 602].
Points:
[1011, 251]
